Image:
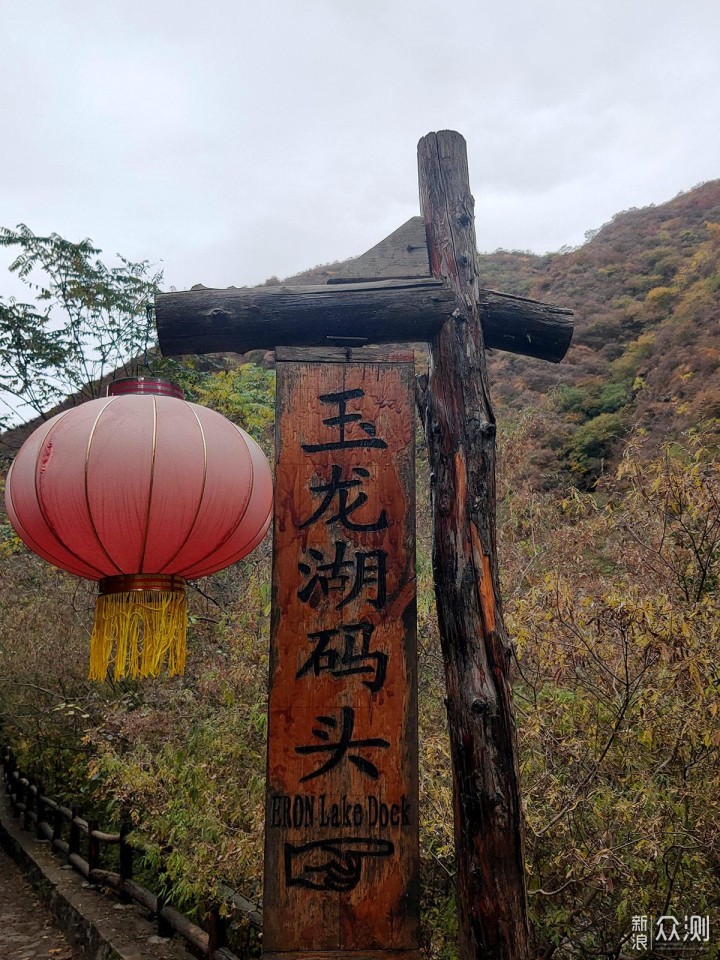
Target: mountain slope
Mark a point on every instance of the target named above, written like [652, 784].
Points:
[645, 289]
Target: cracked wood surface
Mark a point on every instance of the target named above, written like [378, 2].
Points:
[341, 840]
[241, 319]
[460, 432]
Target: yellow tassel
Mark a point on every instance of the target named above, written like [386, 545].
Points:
[144, 627]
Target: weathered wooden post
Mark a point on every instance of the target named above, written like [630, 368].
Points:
[341, 832]
[460, 432]
[342, 781]
[126, 855]
[93, 846]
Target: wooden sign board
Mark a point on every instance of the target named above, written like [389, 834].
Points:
[341, 849]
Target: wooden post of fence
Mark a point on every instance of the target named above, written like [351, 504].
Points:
[57, 825]
[27, 802]
[18, 795]
[126, 856]
[164, 928]
[217, 931]
[93, 846]
[30, 795]
[74, 835]
[39, 810]
[10, 768]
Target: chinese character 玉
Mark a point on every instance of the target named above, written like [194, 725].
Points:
[341, 421]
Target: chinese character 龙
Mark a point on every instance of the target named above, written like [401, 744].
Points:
[337, 487]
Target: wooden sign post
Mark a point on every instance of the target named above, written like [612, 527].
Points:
[341, 851]
[341, 862]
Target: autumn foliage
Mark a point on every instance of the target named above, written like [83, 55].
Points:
[609, 529]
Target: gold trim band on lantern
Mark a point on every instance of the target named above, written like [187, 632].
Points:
[127, 583]
[145, 385]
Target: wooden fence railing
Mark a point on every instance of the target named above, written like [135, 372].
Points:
[52, 822]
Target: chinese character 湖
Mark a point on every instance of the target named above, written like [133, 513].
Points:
[366, 572]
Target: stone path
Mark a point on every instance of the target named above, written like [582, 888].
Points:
[27, 929]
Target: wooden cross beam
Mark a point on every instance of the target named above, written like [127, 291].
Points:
[387, 295]
[421, 283]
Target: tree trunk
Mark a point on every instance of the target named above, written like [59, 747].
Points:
[460, 431]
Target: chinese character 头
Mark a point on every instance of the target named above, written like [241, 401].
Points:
[342, 747]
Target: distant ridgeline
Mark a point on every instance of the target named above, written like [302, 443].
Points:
[645, 291]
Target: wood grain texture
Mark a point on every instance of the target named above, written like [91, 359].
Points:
[196, 321]
[374, 354]
[460, 431]
[341, 853]
[530, 328]
[389, 311]
[402, 254]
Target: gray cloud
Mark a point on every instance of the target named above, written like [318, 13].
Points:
[244, 140]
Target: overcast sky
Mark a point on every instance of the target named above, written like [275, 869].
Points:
[228, 141]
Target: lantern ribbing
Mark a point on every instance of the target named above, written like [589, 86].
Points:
[141, 491]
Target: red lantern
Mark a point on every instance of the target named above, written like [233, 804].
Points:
[141, 491]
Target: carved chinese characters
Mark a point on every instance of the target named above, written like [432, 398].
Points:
[341, 858]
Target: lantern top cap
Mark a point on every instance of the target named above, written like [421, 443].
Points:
[144, 385]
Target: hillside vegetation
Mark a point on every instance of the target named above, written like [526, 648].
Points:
[645, 290]
[609, 529]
